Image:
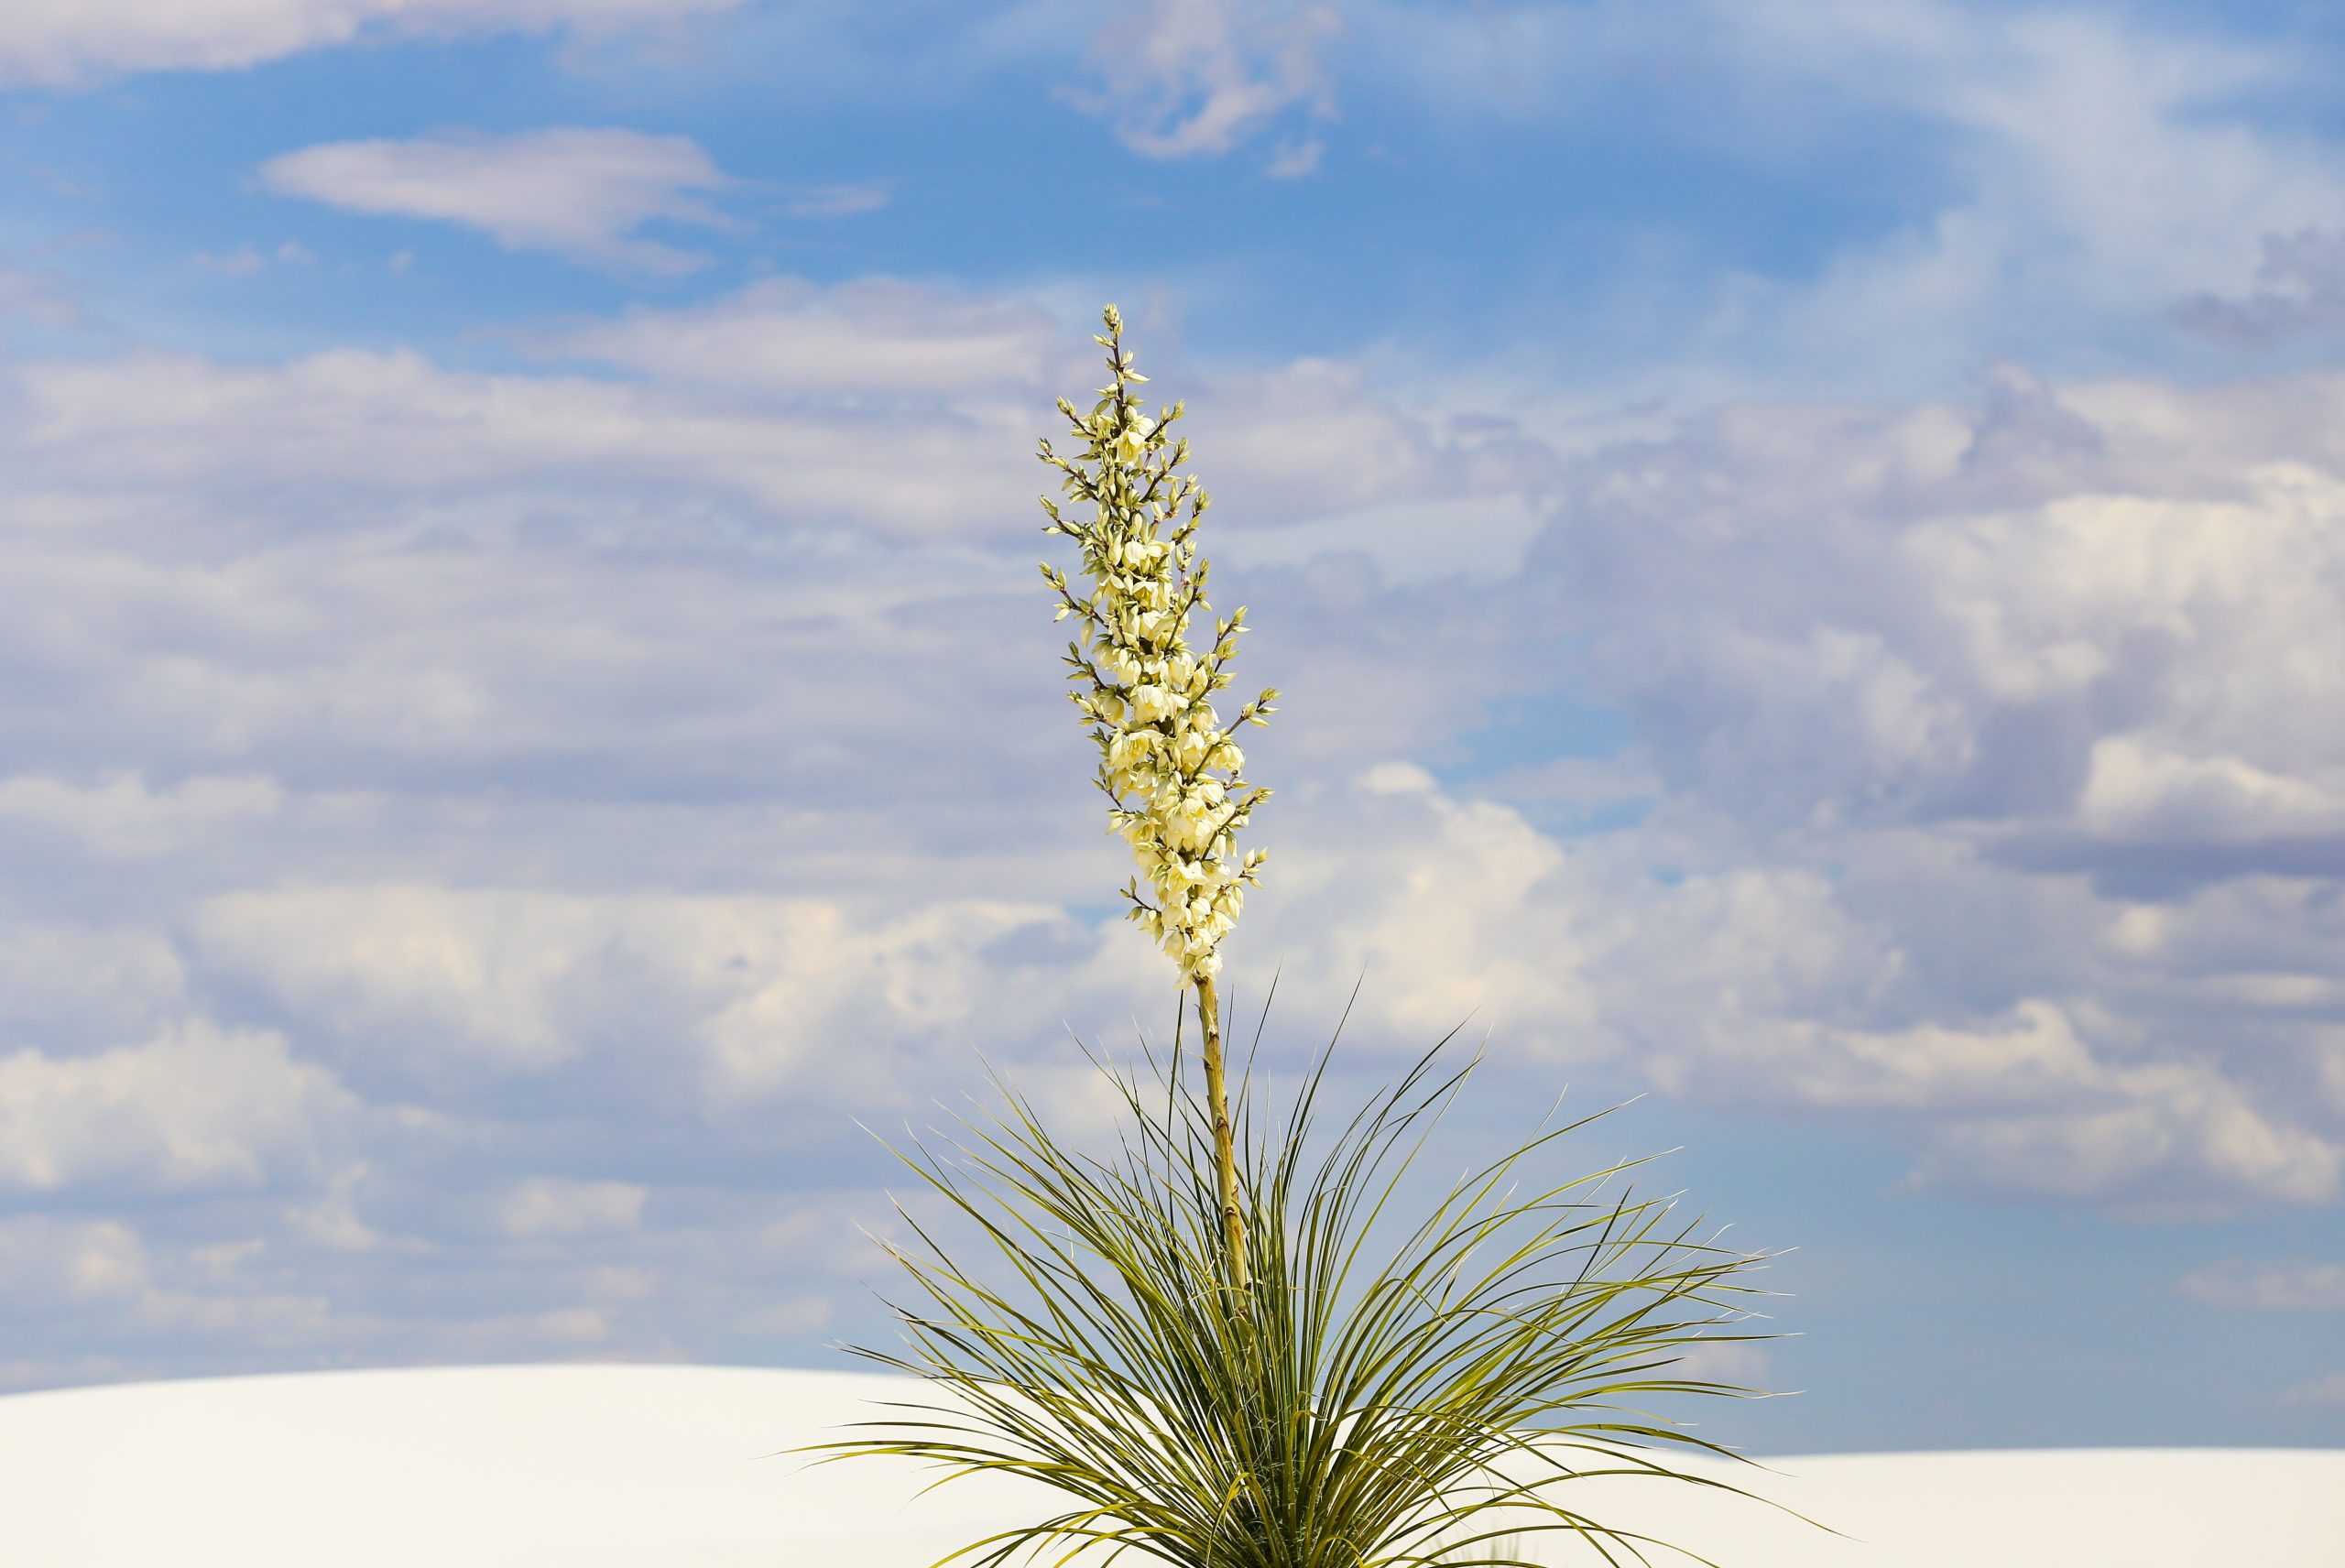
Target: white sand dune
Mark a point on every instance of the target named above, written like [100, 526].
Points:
[680, 1468]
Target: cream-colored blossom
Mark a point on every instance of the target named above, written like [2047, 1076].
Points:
[1171, 772]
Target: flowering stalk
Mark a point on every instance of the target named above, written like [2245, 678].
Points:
[1170, 771]
[1400, 1409]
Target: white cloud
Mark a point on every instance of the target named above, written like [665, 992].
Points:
[713, 1000]
[394, 423]
[1296, 160]
[1454, 911]
[1311, 437]
[2189, 1143]
[2302, 1287]
[1982, 764]
[73, 987]
[839, 200]
[597, 776]
[466, 972]
[1909, 643]
[1777, 986]
[1307, 446]
[120, 817]
[2299, 291]
[2074, 173]
[1181, 78]
[523, 573]
[2103, 168]
[69, 42]
[2132, 792]
[48, 1262]
[1318, 464]
[1781, 987]
[870, 337]
[196, 1107]
[2115, 640]
[583, 193]
[546, 1206]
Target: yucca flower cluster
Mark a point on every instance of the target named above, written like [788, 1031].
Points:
[1172, 773]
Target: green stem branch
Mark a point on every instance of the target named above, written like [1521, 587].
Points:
[1225, 1146]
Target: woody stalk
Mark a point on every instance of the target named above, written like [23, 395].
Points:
[1172, 773]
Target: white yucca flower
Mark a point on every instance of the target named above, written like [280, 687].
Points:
[1173, 776]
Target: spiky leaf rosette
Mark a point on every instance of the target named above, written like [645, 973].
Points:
[1403, 1395]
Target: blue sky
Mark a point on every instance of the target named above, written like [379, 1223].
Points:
[1805, 542]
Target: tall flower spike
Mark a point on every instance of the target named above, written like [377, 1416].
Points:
[1173, 773]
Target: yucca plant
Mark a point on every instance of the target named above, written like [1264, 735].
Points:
[1399, 1391]
[1231, 1341]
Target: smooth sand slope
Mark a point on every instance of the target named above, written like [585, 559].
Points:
[679, 1466]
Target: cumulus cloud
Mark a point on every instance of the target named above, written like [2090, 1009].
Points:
[1320, 464]
[1198, 77]
[524, 575]
[1928, 628]
[197, 1108]
[1982, 774]
[69, 42]
[2181, 1140]
[579, 192]
[2299, 290]
[53, 1263]
[1891, 679]
[1455, 912]
[2083, 167]
[2102, 165]
[520, 795]
[2083, 170]
[2010, 1059]
[720, 998]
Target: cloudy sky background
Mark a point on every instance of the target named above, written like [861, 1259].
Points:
[1805, 542]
